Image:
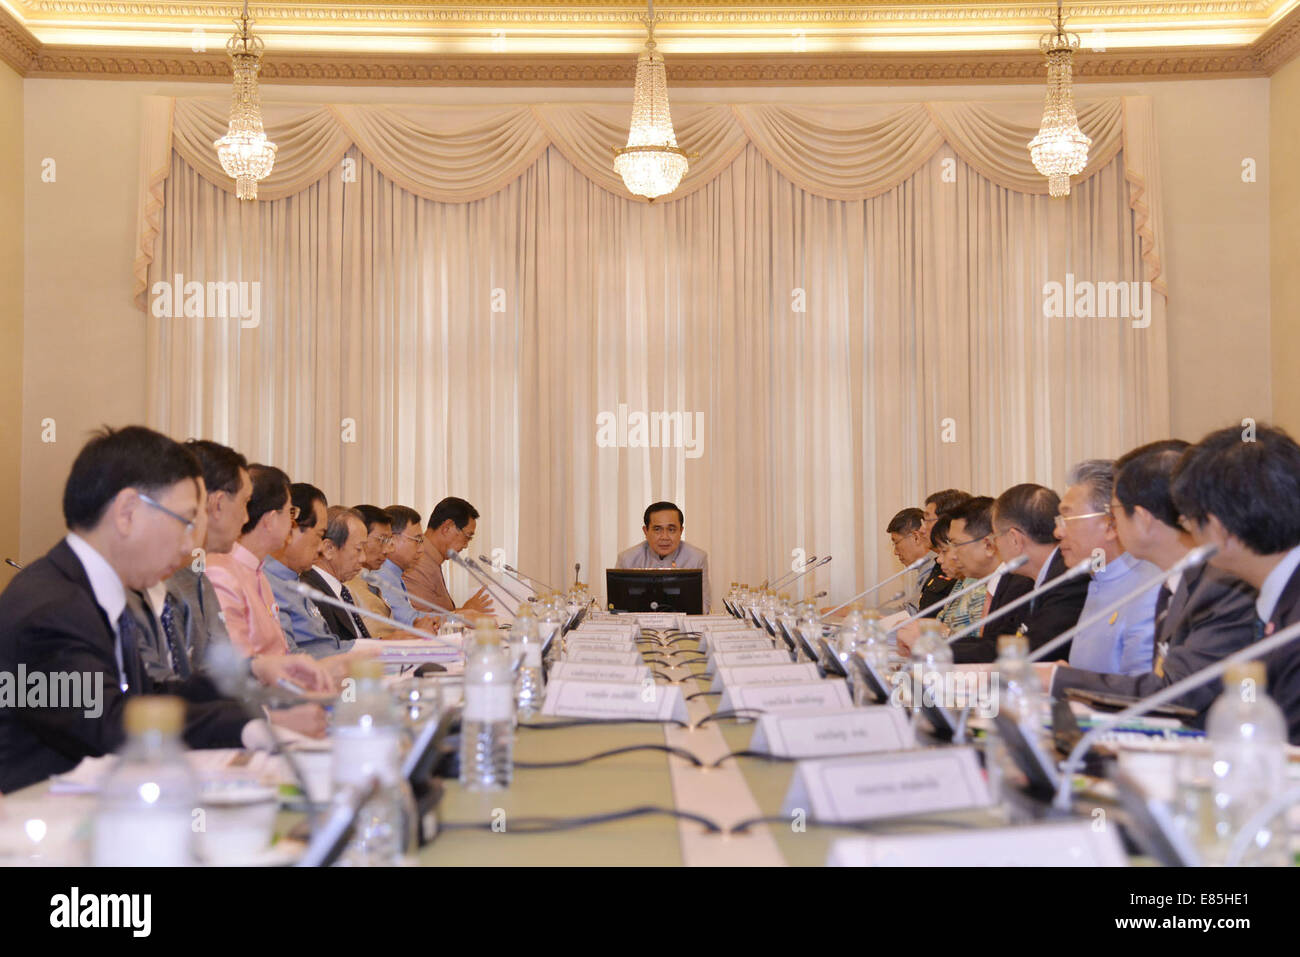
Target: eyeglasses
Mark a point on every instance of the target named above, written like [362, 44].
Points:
[468, 538]
[1062, 519]
[187, 522]
[419, 539]
[383, 539]
[969, 541]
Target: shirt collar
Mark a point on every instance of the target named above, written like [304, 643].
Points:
[670, 557]
[390, 569]
[334, 584]
[1041, 578]
[246, 558]
[110, 593]
[1270, 593]
[278, 569]
[157, 597]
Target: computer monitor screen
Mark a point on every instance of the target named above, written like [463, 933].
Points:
[652, 589]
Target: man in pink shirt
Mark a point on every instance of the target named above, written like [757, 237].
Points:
[247, 603]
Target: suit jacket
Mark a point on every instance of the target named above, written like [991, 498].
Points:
[157, 658]
[336, 619]
[1283, 665]
[1056, 611]
[204, 624]
[984, 647]
[1210, 616]
[50, 622]
[935, 587]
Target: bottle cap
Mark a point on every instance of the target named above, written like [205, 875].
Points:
[871, 614]
[525, 610]
[1247, 671]
[1010, 643]
[164, 713]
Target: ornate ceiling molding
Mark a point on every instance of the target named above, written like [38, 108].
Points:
[26, 54]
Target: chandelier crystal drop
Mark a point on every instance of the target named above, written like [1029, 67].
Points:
[245, 152]
[1060, 150]
[652, 164]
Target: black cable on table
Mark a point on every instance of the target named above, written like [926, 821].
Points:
[581, 722]
[761, 755]
[745, 714]
[575, 762]
[702, 694]
[543, 825]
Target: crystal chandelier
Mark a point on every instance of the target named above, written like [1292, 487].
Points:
[652, 165]
[1060, 150]
[245, 152]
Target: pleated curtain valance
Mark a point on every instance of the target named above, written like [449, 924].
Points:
[459, 154]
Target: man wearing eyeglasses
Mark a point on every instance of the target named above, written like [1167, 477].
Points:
[451, 528]
[1122, 643]
[375, 549]
[403, 552]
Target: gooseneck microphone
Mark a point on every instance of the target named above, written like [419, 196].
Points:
[318, 596]
[494, 588]
[1076, 572]
[862, 594]
[794, 571]
[1002, 569]
[521, 575]
[1196, 556]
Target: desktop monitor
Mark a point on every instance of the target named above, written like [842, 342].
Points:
[651, 589]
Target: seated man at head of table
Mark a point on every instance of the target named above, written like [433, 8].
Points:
[663, 546]
[131, 505]
[1202, 615]
[1239, 491]
[452, 524]
[1124, 642]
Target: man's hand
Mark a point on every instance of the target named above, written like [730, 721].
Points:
[480, 603]
[303, 670]
[429, 623]
[906, 637]
[308, 719]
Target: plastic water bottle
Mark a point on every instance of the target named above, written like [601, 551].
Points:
[366, 734]
[931, 654]
[526, 645]
[550, 624]
[874, 644]
[487, 725]
[1248, 738]
[1020, 692]
[145, 816]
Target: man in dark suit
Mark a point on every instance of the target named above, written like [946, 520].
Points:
[341, 554]
[1202, 615]
[131, 505]
[971, 534]
[1238, 489]
[1024, 521]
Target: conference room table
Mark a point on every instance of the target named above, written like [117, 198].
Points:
[750, 787]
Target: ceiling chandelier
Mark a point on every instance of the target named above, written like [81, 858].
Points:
[245, 152]
[652, 164]
[1060, 150]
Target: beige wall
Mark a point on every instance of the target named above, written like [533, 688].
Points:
[1284, 244]
[11, 311]
[84, 344]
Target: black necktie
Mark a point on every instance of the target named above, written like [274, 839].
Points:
[1260, 628]
[1162, 608]
[132, 676]
[180, 660]
[356, 619]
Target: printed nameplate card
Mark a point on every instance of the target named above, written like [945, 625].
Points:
[735, 659]
[888, 785]
[820, 695]
[827, 733]
[1052, 844]
[765, 674]
[736, 641]
[585, 656]
[607, 699]
[580, 672]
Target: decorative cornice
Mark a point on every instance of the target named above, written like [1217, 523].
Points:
[17, 46]
[28, 56]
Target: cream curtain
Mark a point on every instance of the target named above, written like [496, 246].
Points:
[834, 295]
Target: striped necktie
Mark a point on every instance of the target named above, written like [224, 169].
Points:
[180, 660]
[356, 619]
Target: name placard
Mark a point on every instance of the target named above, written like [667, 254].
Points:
[658, 621]
[738, 644]
[736, 659]
[888, 785]
[580, 672]
[586, 656]
[605, 699]
[764, 674]
[630, 632]
[1051, 844]
[610, 643]
[710, 637]
[828, 733]
[821, 695]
